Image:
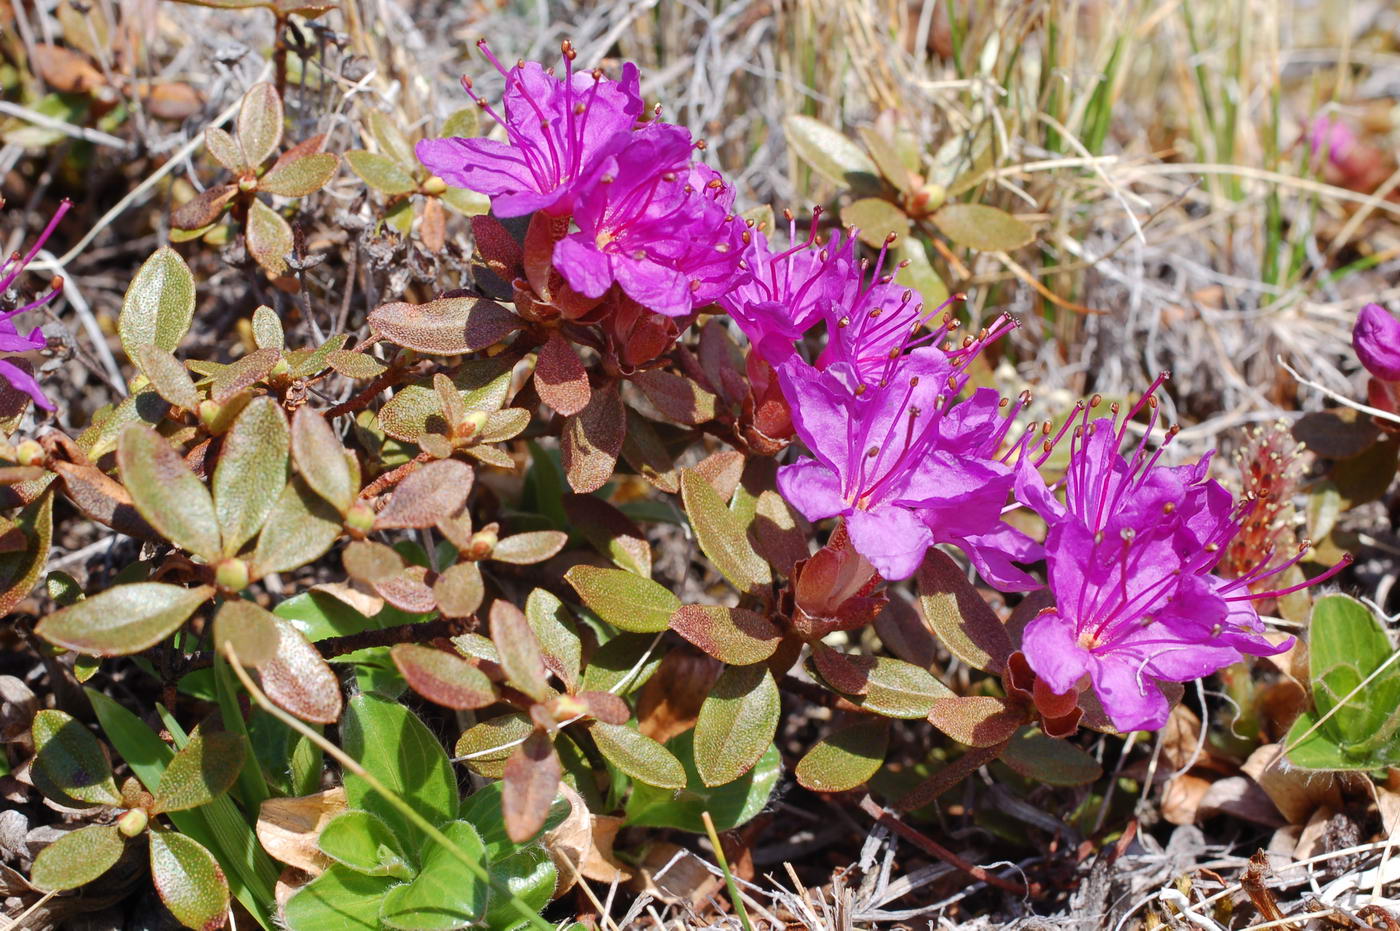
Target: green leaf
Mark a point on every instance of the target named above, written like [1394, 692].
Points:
[1046, 759]
[888, 687]
[166, 492]
[69, 761]
[526, 549]
[984, 228]
[554, 630]
[300, 176]
[442, 677]
[735, 636]
[267, 330]
[519, 651]
[380, 172]
[123, 620]
[307, 362]
[204, 769]
[364, 843]
[318, 615]
[167, 375]
[159, 304]
[320, 458]
[447, 327]
[626, 601]
[259, 124]
[224, 148]
[730, 805]
[189, 880]
[638, 755]
[391, 742]
[610, 532]
[77, 858]
[876, 218]
[977, 720]
[462, 124]
[529, 873]
[417, 409]
[919, 274]
[622, 665]
[252, 471]
[394, 143]
[268, 237]
[340, 899]
[487, 746]
[960, 617]
[722, 537]
[736, 724]
[1312, 747]
[300, 529]
[444, 894]
[829, 153]
[846, 758]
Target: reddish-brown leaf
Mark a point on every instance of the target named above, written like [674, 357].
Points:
[447, 327]
[959, 616]
[560, 378]
[103, 500]
[433, 230]
[678, 398]
[977, 720]
[408, 591]
[519, 650]
[593, 439]
[722, 470]
[443, 677]
[65, 70]
[606, 707]
[735, 636]
[204, 208]
[611, 532]
[531, 781]
[436, 490]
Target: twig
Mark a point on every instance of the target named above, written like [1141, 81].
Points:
[36, 118]
[1340, 398]
[930, 846]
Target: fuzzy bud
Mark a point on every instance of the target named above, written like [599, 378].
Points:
[29, 453]
[434, 185]
[133, 822]
[232, 575]
[359, 520]
[483, 544]
[928, 198]
[472, 423]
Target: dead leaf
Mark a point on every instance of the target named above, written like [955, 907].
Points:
[686, 880]
[1297, 793]
[583, 845]
[1181, 798]
[288, 827]
[670, 701]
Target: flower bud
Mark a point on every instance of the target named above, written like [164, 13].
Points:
[232, 575]
[282, 367]
[359, 520]
[247, 183]
[928, 198]
[472, 423]
[1376, 339]
[29, 453]
[483, 543]
[434, 185]
[133, 822]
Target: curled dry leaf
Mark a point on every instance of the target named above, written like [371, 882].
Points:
[287, 828]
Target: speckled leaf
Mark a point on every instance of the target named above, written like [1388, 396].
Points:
[159, 303]
[380, 172]
[438, 489]
[736, 636]
[300, 176]
[352, 364]
[77, 858]
[638, 756]
[721, 535]
[1045, 759]
[447, 327]
[307, 362]
[977, 720]
[560, 378]
[259, 123]
[485, 747]
[519, 651]
[981, 227]
[252, 471]
[526, 549]
[189, 880]
[960, 617]
[68, 759]
[459, 590]
[267, 329]
[553, 628]
[443, 677]
[610, 532]
[268, 237]
[123, 620]
[200, 212]
[166, 492]
[736, 723]
[876, 219]
[592, 440]
[320, 458]
[167, 375]
[224, 148]
[846, 758]
[531, 776]
[626, 601]
[205, 768]
[301, 528]
[291, 671]
[243, 373]
[830, 154]
[644, 451]
[676, 397]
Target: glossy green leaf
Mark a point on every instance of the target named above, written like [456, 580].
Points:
[189, 880]
[729, 805]
[626, 601]
[444, 894]
[529, 873]
[340, 899]
[259, 123]
[69, 761]
[737, 723]
[320, 458]
[391, 742]
[77, 858]
[167, 493]
[252, 471]
[159, 304]
[123, 620]
[846, 758]
[981, 227]
[364, 843]
[205, 768]
[638, 755]
[721, 536]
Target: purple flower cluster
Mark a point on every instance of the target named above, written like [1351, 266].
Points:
[11, 339]
[648, 218]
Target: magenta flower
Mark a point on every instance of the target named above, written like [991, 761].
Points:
[1329, 134]
[1376, 339]
[562, 135]
[903, 463]
[660, 227]
[1130, 553]
[11, 340]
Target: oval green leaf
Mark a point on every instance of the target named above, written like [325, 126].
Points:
[123, 620]
[69, 760]
[984, 228]
[846, 758]
[159, 304]
[77, 858]
[252, 471]
[638, 756]
[166, 492]
[736, 724]
[204, 769]
[189, 880]
[623, 599]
